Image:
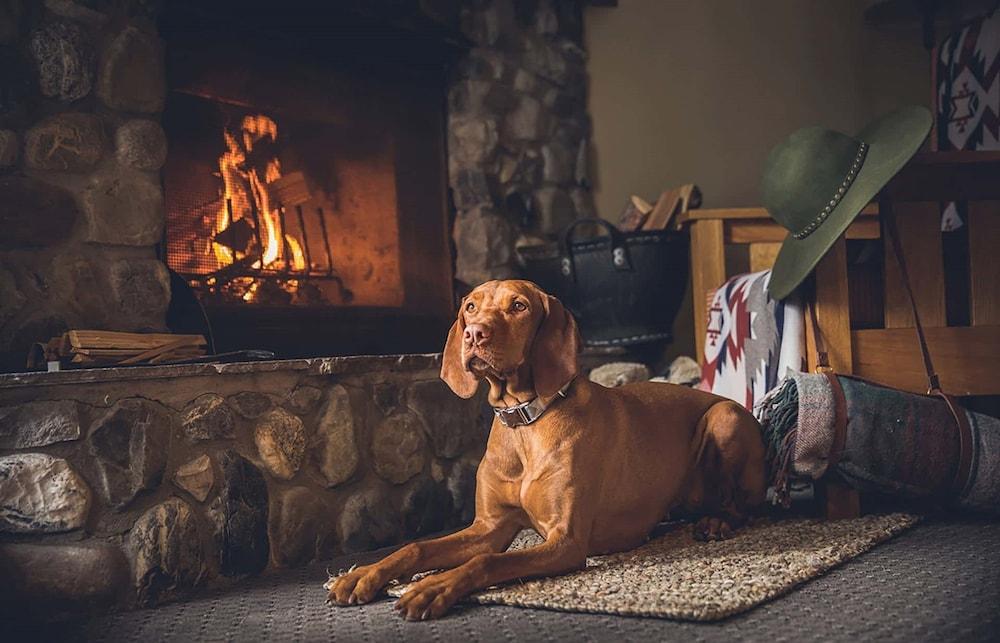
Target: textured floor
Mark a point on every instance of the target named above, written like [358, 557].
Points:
[938, 582]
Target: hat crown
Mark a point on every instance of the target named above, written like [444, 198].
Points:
[806, 175]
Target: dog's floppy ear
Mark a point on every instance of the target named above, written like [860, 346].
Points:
[553, 353]
[453, 371]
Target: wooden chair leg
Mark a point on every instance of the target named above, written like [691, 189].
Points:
[842, 501]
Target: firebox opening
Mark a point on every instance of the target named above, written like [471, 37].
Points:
[305, 184]
[266, 208]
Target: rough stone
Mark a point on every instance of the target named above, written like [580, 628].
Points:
[250, 404]
[12, 298]
[554, 208]
[581, 170]
[196, 477]
[470, 188]
[165, 551]
[9, 147]
[461, 483]
[684, 371]
[368, 521]
[71, 142]
[41, 494]
[387, 396]
[33, 213]
[131, 75]
[141, 144]
[524, 81]
[64, 59]
[241, 517]
[208, 417]
[546, 18]
[139, 293]
[485, 243]
[427, 508]
[130, 443]
[467, 96]
[65, 577]
[488, 23]
[558, 163]
[619, 373]
[471, 140]
[548, 59]
[334, 443]
[37, 424]
[524, 122]
[398, 448]
[124, 208]
[81, 285]
[583, 203]
[303, 399]
[281, 442]
[449, 420]
[301, 518]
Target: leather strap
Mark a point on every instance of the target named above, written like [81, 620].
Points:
[963, 472]
[889, 219]
[964, 469]
[822, 357]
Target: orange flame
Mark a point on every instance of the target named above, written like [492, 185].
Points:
[236, 179]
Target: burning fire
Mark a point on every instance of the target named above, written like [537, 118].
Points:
[245, 180]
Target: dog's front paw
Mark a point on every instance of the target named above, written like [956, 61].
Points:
[356, 587]
[712, 528]
[428, 598]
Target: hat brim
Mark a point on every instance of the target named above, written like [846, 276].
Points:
[892, 140]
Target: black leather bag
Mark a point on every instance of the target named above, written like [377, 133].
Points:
[623, 289]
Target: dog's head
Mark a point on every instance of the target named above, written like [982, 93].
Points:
[504, 326]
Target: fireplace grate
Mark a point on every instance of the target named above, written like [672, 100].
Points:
[251, 266]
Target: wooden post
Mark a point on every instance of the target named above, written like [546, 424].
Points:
[984, 262]
[833, 315]
[708, 271]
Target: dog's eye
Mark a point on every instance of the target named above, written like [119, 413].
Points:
[519, 306]
[470, 307]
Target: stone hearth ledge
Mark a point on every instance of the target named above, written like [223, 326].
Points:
[168, 478]
[340, 365]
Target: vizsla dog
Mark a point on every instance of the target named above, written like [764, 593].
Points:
[592, 469]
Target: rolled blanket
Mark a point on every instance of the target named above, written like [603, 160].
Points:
[894, 442]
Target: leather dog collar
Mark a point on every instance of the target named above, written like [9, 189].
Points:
[527, 412]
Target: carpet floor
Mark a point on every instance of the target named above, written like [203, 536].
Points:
[939, 581]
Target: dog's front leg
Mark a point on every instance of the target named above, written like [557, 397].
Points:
[432, 596]
[362, 584]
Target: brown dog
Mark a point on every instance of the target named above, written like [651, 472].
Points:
[593, 474]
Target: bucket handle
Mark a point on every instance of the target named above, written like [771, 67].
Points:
[620, 259]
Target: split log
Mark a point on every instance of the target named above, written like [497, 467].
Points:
[634, 214]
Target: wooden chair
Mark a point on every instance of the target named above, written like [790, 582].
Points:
[868, 329]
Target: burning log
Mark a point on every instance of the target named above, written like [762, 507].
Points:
[237, 236]
[291, 189]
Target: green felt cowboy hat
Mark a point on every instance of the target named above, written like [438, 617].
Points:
[817, 181]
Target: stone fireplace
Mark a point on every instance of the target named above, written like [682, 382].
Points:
[307, 181]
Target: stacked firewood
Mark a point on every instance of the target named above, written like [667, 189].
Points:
[111, 348]
[640, 214]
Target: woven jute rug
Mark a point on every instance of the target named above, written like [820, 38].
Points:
[677, 577]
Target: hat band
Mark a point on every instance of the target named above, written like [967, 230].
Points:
[859, 159]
